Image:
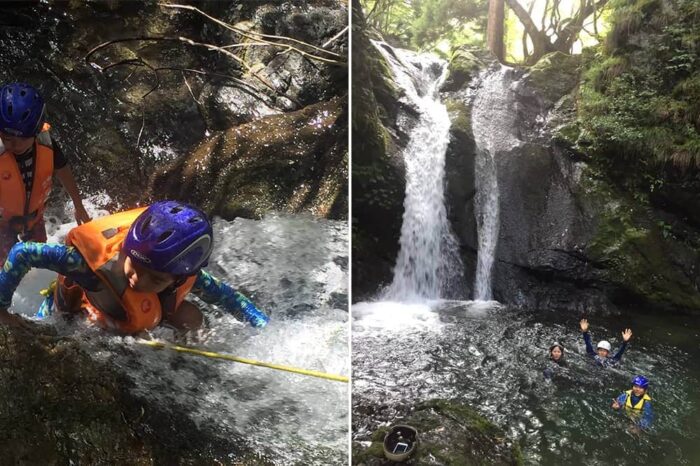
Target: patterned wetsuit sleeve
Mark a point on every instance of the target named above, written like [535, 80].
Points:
[618, 355]
[589, 345]
[25, 256]
[213, 291]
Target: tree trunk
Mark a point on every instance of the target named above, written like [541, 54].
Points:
[494, 28]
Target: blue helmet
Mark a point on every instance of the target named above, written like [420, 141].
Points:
[21, 110]
[170, 237]
[641, 381]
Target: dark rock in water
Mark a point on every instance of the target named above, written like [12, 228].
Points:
[60, 406]
[293, 162]
[449, 433]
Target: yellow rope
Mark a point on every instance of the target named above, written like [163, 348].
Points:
[228, 357]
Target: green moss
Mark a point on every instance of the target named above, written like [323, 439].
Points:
[554, 75]
[640, 105]
[628, 18]
[634, 251]
[450, 433]
[569, 133]
[464, 64]
[460, 116]
[638, 124]
[463, 414]
[375, 451]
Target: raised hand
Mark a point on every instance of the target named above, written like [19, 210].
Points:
[584, 325]
[627, 334]
[615, 404]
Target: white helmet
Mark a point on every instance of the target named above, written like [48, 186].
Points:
[604, 345]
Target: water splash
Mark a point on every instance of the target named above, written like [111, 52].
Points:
[428, 254]
[493, 123]
[293, 267]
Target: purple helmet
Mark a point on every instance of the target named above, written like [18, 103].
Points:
[21, 110]
[641, 381]
[170, 237]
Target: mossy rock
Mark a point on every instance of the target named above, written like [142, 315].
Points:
[554, 75]
[253, 168]
[640, 253]
[450, 433]
[460, 117]
[465, 64]
[58, 405]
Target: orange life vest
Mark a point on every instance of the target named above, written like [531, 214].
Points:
[14, 208]
[115, 306]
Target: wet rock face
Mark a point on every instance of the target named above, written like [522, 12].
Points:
[58, 405]
[544, 226]
[448, 433]
[378, 180]
[568, 240]
[293, 162]
[118, 126]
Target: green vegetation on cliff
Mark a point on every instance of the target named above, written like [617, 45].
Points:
[638, 126]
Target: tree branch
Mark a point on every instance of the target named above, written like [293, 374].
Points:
[260, 37]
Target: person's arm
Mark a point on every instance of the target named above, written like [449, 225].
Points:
[65, 176]
[25, 256]
[647, 416]
[213, 291]
[589, 344]
[618, 355]
[626, 335]
[587, 337]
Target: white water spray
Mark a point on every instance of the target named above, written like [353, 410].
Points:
[295, 269]
[493, 120]
[428, 250]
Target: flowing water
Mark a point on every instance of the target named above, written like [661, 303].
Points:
[293, 267]
[427, 256]
[493, 358]
[493, 123]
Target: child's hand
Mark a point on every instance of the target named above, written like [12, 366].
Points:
[615, 404]
[627, 334]
[584, 325]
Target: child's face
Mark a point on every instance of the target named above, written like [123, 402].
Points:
[15, 144]
[556, 353]
[638, 391]
[603, 353]
[144, 279]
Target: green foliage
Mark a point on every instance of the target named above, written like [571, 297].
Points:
[639, 104]
[429, 24]
[456, 22]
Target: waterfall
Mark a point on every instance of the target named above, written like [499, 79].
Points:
[428, 255]
[493, 120]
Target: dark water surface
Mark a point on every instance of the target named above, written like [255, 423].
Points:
[493, 358]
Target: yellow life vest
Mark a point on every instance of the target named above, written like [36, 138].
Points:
[640, 404]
